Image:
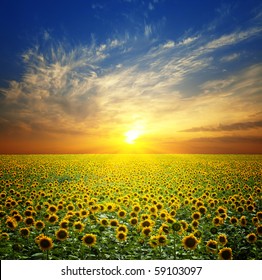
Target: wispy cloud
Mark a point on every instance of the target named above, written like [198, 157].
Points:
[148, 30]
[231, 57]
[150, 6]
[231, 39]
[97, 6]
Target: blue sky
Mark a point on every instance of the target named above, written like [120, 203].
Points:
[182, 73]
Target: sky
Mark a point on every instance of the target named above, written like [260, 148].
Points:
[131, 76]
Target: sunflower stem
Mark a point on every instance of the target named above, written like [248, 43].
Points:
[175, 257]
[160, 251]
[122, 251]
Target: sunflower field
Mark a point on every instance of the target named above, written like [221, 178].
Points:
[126, 207]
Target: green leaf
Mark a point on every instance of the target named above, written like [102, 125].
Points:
[37, 255]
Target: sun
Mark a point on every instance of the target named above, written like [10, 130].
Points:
[131, 136]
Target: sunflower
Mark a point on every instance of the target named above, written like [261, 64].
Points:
[259, 215]
[91, 202]
[211, 204]
[199, 203]
[164, 228]
[94, 208]
[25, 232]
[217, 221]
[243, 221]
[259, 230]
[104, 222]
[233, 220]
[153, 242]
[222, 239]
[250, 208]
[133, 214]
[196, 215]
[60, 206]
[161, 240]
[176, 226]
[45, 243]
[240, 209]
[145, 216]
[53, 219]
[89, 239]
[121, 213]
[251, 238]
[79, 205]
[147, 231]
[187, 201]
[202, 210]
[39, 225]
[221, 210]
[195, 224]
[190, 242]
[255, 221]
[223, 216]
[121, 236]
[64, 224]
[197, 233]
[114, 223]
[159, 205]
[170, 220]
[110, 207]
[18, 217]
[184, 224]
[14, 212]
[78, 226]
[172, 213]
[4, 236]
[136, 208]
[146, 223]
[2, 213]
[133, 221]
[70, 207]
[2, 195]
[83, 213]
[28, 213]
[225, 254]
[61, 234]
[46, 216]
[52, 209]
[153, 209]
[153, 216]
[163, 214]
[77, 214]
[211, 246]
[11, 223]
[122, 228]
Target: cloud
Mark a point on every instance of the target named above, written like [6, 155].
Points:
[188, 41]
[168, 45]
[230, 57]
[229, 139]
[105, 88]
[148, 30]
[231, 39]
[150, 6]
[227, 127]
[97, 6]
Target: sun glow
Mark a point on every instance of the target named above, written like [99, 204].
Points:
[131, 136]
